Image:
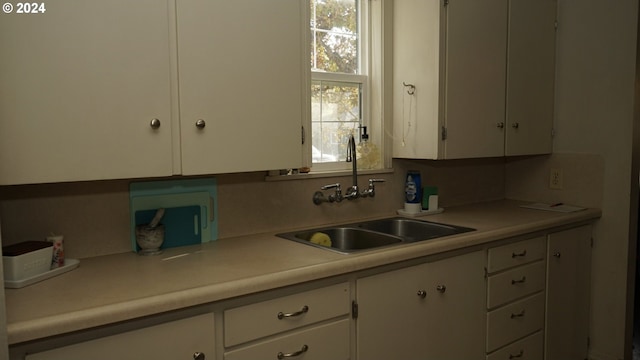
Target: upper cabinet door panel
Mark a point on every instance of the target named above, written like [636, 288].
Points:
[79, 86]
[476, 45]
[531, 74]
[243, 68]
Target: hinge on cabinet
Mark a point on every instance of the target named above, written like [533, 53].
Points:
[303, 135]
[444, 133]
[354, 309]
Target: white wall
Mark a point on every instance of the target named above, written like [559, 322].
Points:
[594, 115]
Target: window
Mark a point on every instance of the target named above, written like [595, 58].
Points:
[339, 81]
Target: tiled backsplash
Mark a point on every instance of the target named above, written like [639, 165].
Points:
[94, 216]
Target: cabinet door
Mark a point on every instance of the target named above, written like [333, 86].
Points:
[429, 311]
[416, 61]
[476, 45]
[79, 86]
[456, 316]
[178, 339]
[531, 74]
[568, 294]
[391, 320]
[244, 74]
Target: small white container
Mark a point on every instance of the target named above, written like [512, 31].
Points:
[26, 259]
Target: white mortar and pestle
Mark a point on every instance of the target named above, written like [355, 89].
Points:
[151, 236]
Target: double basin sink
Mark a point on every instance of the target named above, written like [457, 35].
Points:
[373, 234]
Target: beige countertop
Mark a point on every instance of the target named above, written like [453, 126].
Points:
[108, 289]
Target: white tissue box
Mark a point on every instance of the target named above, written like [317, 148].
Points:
[26, 259]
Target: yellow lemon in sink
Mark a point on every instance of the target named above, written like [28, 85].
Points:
[321, 238]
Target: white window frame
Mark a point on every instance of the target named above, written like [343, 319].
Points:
[364, 78]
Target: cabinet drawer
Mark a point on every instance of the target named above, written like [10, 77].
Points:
[177, 339]
[510, 255]
[529, 348]
[514, 321]
[329, 341]
[289, 312]
[515, 283]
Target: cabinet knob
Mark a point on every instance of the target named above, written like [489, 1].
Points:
[500, 125]
[155, 124]
[441, 288]
[557, 254]
[198, 356]
[515, 125]
[200, 124]
[422, 294]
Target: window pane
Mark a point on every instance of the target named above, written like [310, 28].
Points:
[335, 113]
[334, 33]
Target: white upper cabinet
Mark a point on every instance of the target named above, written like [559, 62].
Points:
[530, 77]
[474, 83]
[244, 84]
[473, 78]
[79, 87]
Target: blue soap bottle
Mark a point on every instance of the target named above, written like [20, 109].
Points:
[413, 187]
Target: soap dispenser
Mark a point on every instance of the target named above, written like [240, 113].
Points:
[368, 153]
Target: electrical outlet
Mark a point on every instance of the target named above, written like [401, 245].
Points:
[555, 179]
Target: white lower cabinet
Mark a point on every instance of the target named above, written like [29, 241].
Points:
[180, 339]
[529, 348]
[527, 299]
[323, 342]
[568, 294]
[515, 298]
[428, 311]
[514, 321]
[313, 324]
[538, 293]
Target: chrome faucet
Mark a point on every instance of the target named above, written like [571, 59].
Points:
[353, 191]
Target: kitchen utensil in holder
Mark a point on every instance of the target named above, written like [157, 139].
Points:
[149, 239]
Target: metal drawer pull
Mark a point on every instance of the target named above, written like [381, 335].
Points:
[523, 279]
[422, 293]
[515, 255]
[557, 254]
[441, 288]
[282, 315]
[303, 350]
[518, 355]
[520, 314]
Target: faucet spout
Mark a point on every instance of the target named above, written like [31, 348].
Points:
[352, 192]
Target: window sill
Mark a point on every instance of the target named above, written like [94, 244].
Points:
[324, 174]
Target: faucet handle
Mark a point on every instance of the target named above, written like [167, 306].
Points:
[371, 191]
[331, 186]
[338, 194]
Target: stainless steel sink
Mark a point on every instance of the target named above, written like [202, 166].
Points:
[367, 235]
[412, 230]
[345, 239]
